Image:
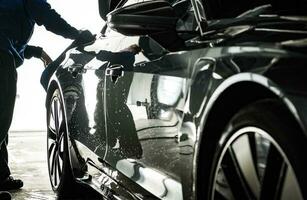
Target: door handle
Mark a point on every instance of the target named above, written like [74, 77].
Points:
[115, 72]
[76, 69]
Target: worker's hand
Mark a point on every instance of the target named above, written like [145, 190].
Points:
[45, 58]
[85, 37]
[133, 49]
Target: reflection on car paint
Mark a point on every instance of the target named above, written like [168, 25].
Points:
[141, 127]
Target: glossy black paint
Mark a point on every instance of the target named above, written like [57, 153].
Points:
[137, 120]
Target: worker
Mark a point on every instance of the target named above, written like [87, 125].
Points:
[17, 20]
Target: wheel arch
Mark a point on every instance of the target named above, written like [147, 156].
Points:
[233, 94]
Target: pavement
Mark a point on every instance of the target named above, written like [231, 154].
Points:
[27, 160]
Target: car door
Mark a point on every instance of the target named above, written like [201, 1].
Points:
[144, 96]
[84, 96]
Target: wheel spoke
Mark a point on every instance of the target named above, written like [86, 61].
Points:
[59, 167]
[222, 189]
[50, 150]
[246, 163]
[60, 123]
[234, 178]
[61, 145]
[61, 161]
[52, 110]
[253, 148]
[62, 126]
[219, 196]
[274, 175]
[55, 170]
[51, 134]
[61, 150]
[262, 148]
[53, 161]
[51, 125]
[56, 116]
[291, 188]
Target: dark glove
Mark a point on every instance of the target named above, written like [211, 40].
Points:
[84, 37]
[49, 71]
[45, 58]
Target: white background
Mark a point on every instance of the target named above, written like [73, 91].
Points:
[30, 110]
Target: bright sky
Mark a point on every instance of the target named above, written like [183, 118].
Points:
[30, 102]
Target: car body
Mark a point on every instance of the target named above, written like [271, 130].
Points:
[141, 113]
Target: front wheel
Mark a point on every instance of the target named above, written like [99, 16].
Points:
[60, 174]
[260, 155]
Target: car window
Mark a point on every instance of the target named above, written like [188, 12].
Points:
[130, 2]
[186, 20]
[218, 9]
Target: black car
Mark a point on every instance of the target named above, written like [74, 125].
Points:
[184, 99]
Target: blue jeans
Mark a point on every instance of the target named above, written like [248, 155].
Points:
[8, 80]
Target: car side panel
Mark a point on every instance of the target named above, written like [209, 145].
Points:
[144, 112]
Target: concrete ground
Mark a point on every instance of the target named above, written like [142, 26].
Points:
[27, 158]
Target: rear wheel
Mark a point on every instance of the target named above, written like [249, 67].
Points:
[259, 156]
[60, 173]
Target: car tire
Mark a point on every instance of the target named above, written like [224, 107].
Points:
[259, 155]
[60, 173]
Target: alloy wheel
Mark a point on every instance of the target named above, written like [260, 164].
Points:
[253, 166]
[56, 140]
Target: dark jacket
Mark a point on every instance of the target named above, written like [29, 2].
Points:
[17, 20]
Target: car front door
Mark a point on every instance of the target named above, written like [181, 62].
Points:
[145, 91]
[83, 91]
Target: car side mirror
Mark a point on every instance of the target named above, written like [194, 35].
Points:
[144, 18]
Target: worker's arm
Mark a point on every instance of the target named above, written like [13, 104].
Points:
[42, 13]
